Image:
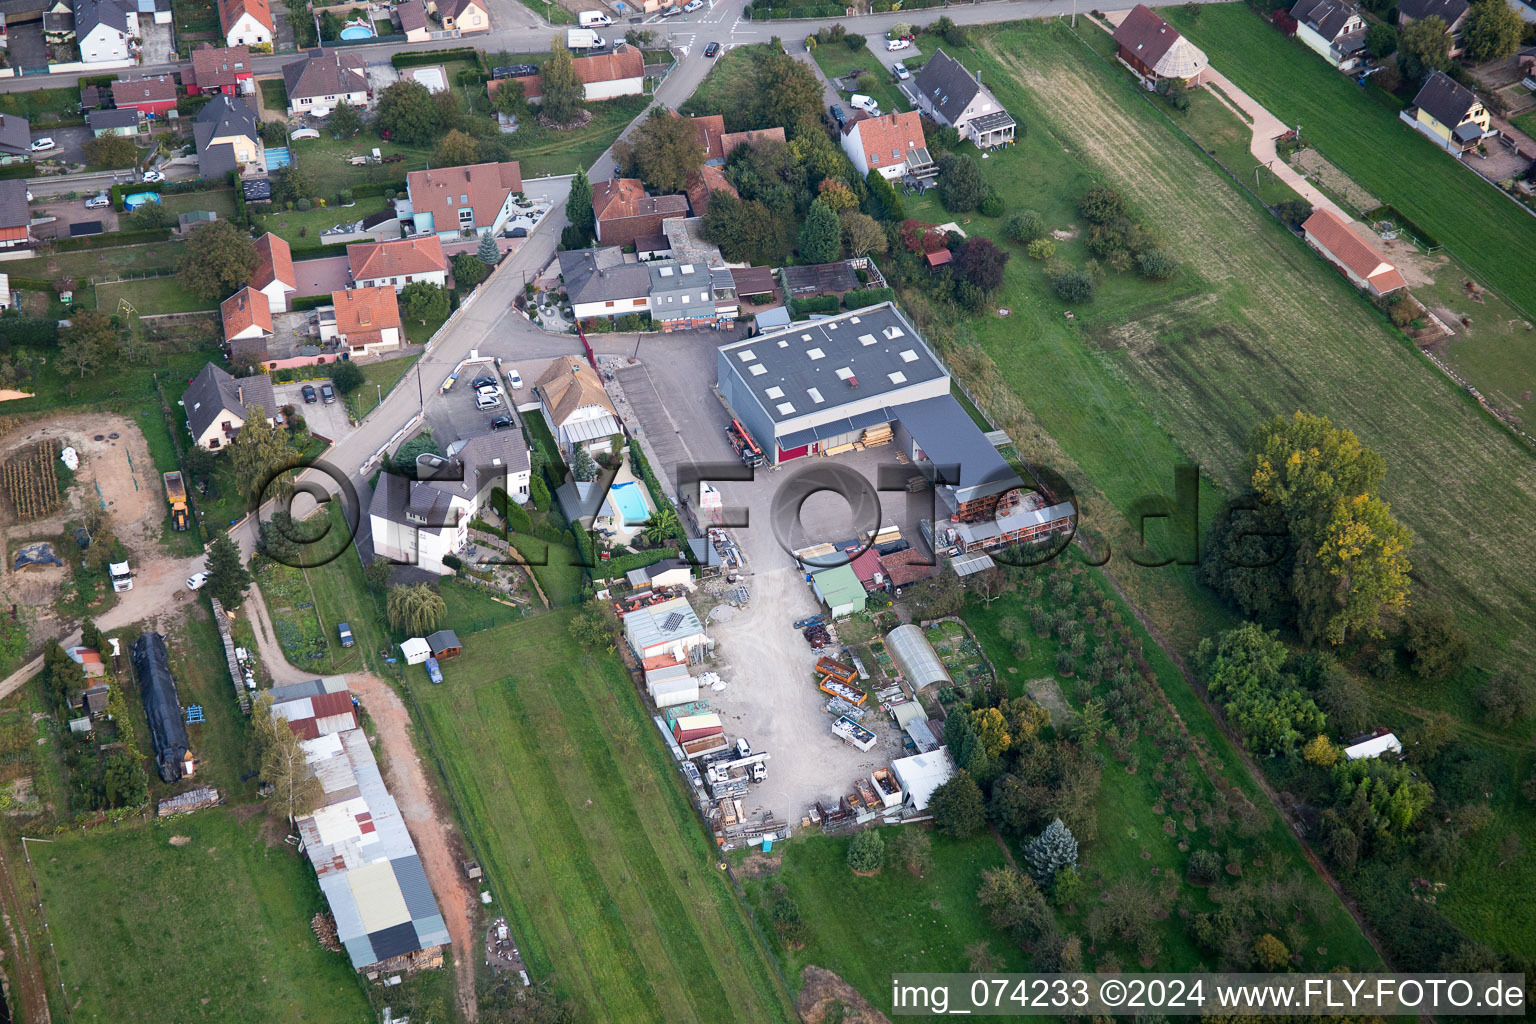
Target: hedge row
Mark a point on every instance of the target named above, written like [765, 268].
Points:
[814, 304]
[309, 302]
[112, 240]
[616, 567]
[1394, 215]
[21, 170]
[316, 252]
[421, 58]
[376, 188]
[867, 297]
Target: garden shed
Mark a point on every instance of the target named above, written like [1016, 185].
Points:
[840, 590]
[915, 657]
[415, 650]
[921, 774]
[445, 644]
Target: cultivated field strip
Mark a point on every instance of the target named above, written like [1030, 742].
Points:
[1288, 333]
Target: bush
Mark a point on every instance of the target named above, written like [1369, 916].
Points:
[867, 297]
[867, 852]
[992, 206]
[1293, 212]
[1102, 204]
[1024, 226]
[1073, 286]
[814, 304]
[854, 41]
[1158, 264]
[1204, 867]
[1041, 249]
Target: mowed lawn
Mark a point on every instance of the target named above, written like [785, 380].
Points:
[214, 930]
[1366, 140]
[576, 811]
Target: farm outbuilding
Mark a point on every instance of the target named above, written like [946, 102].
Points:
[1379, 742]
[445, 644]
[921, 774]
[415, 650]
[840, 590]
[162, 708]
[915, 657]
[669, 627]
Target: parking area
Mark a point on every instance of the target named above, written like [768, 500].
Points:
[325, 420]
[770, 695]
[66, 212]
[159, 45]
[68, 144]
[27, 48]
[456, 416]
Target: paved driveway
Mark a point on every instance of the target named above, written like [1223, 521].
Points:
[321, 277]
[327, 421]
[159, 42]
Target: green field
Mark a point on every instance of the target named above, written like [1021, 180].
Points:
[303, 227]
[710, 96]
[1365, 139]
[220, 201]
[543, 151]
[1149, 376]
[151, 296]
[216, 929]
[578, 818]
[37, 104]
[380, 378]
[108, 262]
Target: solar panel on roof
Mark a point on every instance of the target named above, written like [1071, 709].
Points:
[673, 620]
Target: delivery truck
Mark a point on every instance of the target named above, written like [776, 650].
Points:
[583, 39]
[593, 19]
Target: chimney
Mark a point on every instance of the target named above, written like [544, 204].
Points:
[240, 394]
[978, 76]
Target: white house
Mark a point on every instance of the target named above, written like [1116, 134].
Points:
[105, 31]
[398, 263]
[1333, 29]
[365, 320]
[217, 405]
[951, 95]
[420, 522]
[246, 22]
[892, 143]
[599, 283]
[274, 275]
[576, 406]
[454, 202]
[246, 314]
[317, 84]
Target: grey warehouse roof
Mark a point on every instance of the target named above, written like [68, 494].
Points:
[950, 439]
[815, 367]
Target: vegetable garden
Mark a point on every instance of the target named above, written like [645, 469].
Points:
[31, 483]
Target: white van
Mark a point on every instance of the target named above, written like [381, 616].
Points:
[865, 103]
[593, 19]
[583, 39]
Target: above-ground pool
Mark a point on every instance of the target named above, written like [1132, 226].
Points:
[357, 32]
[278, 156]
[629, 499]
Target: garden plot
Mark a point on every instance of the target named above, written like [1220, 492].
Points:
[961, 655]
[292, 606]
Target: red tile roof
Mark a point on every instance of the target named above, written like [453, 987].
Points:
[159, 89]
[702, 184]
[711, 129]
[244, 308]
[214, 67]
[624, 62]
[1330, 231]
[939, 257]
[905, 567]
[484, 186]
[364, 313]
[276, 262]
[230, 11]
[371, 260]
[1146, 35]
[730, 140]
[880, 137]
[619, 198]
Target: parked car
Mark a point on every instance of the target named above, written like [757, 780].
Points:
[838, 115]
[98, 203]
[693, 5]
[501, 423]
[901, 72]
[671, 11]
[308, 391]
[892, 45]
[483, 380]
[327, 393]
[514, 70]
[487, 400]
[515, 379]
[197, 579]
[44, 143]
[344, 631]
[865, 103]
[711, 50]
[153, 176]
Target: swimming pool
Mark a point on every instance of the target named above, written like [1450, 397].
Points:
[278, 156]
[630, 501]
[357, 32]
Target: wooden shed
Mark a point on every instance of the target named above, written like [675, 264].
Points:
[445, 644]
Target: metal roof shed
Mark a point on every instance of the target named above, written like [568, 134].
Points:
[916, 658]
[840, 590]
[921, 774]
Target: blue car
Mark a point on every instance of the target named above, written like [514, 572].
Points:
[839, 116]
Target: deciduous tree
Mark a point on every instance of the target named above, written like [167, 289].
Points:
[861, 233]
[422, 301]
[344, 121]
[111, 151]
[347, 377]
[1423, 46]
[88, 342]
[219, 258]
[283, 764]
[667, 150]
[408, 113]
[981, 263]
[262, 454]
[415, 608]
[912, 849]
[455, 149]
[1024, 226]
[1492, 31]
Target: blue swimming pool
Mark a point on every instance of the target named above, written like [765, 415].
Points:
[356, 32]
[630, 501]
[278, 156]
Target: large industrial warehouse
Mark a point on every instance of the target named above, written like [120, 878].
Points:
[818, 387]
